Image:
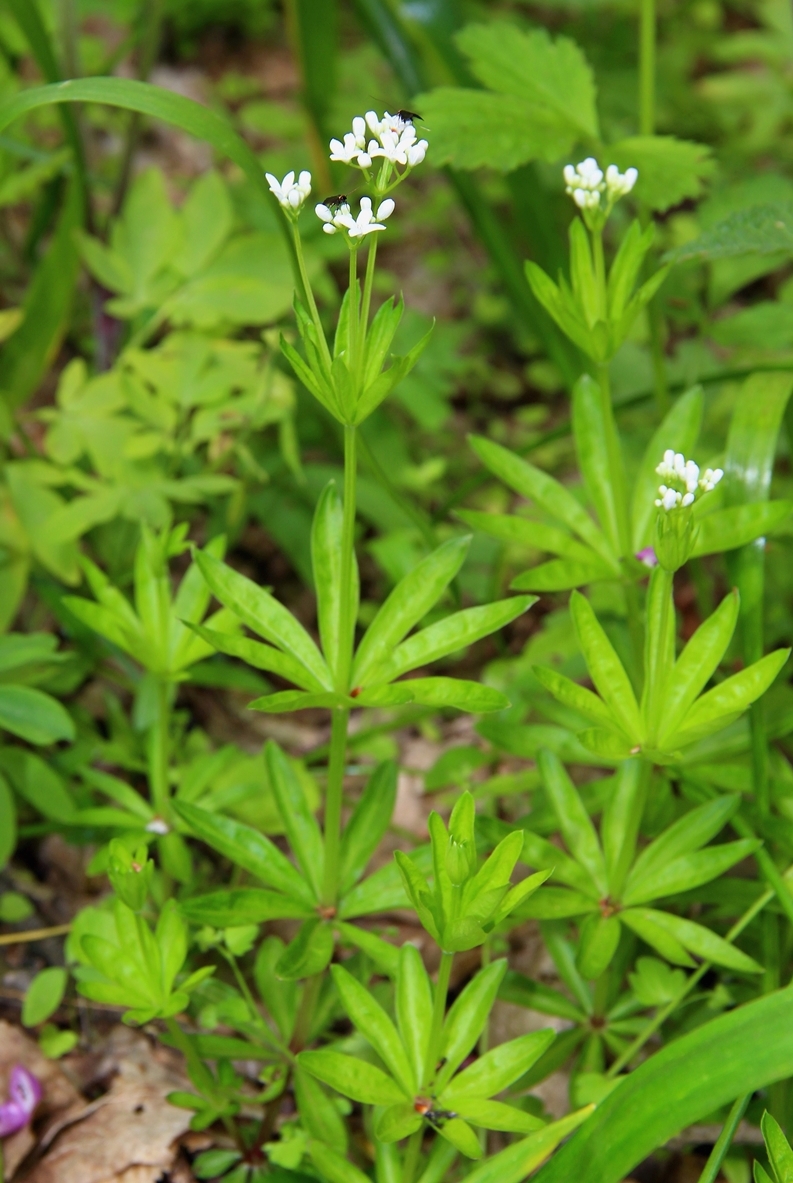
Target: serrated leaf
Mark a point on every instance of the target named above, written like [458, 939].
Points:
[670, 170]
[761, 229]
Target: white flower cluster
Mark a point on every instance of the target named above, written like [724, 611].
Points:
[683, 481]
[340, 218]
[585, 182]
[394, 140]
[291, 193]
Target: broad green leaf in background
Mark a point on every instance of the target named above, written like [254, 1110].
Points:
[762, 229]
[670, 170]
[44, 995]
[691, 1077]
[33, 715]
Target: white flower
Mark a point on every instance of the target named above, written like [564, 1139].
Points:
[347, 152]
[683, 482]
[395, 140]
[366, 222]
[617, 183]
[291, 193]
[157, 826]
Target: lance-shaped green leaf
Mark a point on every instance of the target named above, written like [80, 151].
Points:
[562, 575]
[300, 824]
[369, 822]
[559, 303]
[381, 891]
[531, 482]
[460, 1134]
[730, 699]
[510, 527]
[728, 529]
[382, 954]
[621, 820]
[379, 338]
[539, 852]
[497, 1069]
[472, 697]
[309, 953]
[397, 1122]
[518, 1161]
[352, 1077]
[582, 272]
[589, 430]
[281, 998]
[466, 1019]
[410, 600]
[261, 657]
[389, 379]
[643, 921]
[696, 939]
[310, 379]
[626, 266]
[413, 1006]
[574, 821]
[597, 944]
[690, 871]
[286, 701]
[232, 906]
[449, 635]
[697, 663]
[319, 1115]
[326, 561]
[376, 1027]
[495, 1115]
[33, 715]
[523, 991]
[333, 1167]
[573, 695]
[262, 613]
[678, 430]
[247, 848]
[605, 668]
[780, 1155]
[688, 833]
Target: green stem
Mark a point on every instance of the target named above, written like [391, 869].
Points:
[333, 802]
[309, 295]
[659, 643]
[768, 868]
[616, 463]
[354, 311]
[368, 284]
[438, 1015]
[662, 1015]
[412, 1155]
[600, 272]
[724, 1141]
[305, 1014]
[647, 67]
[159, 752]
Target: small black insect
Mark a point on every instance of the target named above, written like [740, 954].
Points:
[335, 202]
[424, 1106]
[408, 116]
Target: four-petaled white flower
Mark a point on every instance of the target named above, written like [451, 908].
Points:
[683, 483]
[585, 182]
[367, 222]
[291, 193]
[394, 140]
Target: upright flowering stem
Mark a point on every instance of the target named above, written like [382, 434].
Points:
[660, 642]
[312, 304]
[367, 284]
[647, 27]
[159, 756]
[340, 718]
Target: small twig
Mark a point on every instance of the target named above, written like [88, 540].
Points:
[34, 934]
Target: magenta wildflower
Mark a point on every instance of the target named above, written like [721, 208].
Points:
[648, 556]
[24, 1095]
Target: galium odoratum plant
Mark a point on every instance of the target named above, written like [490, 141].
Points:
[420, 1087]
[675, 710]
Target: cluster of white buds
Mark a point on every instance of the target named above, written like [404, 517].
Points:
[683, 481]
[291, 193]
[339, 217]
[585, 182]
[393, 138]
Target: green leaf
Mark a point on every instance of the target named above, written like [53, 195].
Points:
[689, 871]
[497, 1069]
[367, 825]
[605, 668]
[467, 1017]
[375, 1026]
[688, 833]
[621, 820]
[326, 560]
[573, 695]
[509, 527]
[333, 1167]
[539, 852]
[319, 1115]
[678, 1086]
[382, 954]
[589, 431]
[697, 663]
[33, 715]
[472, 697]
[556, 903]
[553, 76]
[751, 444]
[309, 953]
[561, 575]
[678, 430]
[379, 892]
[8, 823]
[779, 1153]
[523, 991]
[410, 600]
[696, 939]
[413, 1005]
[262, 613]
[495, 1115]
[280, 997]
[460, 1134]
[397, 1122]
[550, 494]
[574, 821]
[352, 1077]
[670, 170]
[730, 699]
[230, 906]
[599, 937]
[247, 848]
[261, 657]
[44, 995]
[300, 824]
[521, 1158]
[728, 529]
[759, 230]
[449, 635]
